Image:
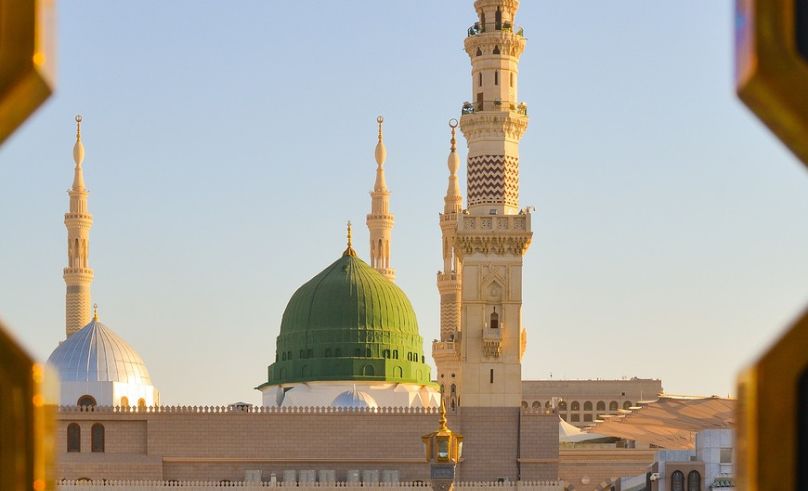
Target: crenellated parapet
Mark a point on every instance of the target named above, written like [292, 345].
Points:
[246, 409]
[500, 235]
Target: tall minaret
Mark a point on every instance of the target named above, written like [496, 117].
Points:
[380, 220]
[446, 351]
[78, 220]
[492, 234]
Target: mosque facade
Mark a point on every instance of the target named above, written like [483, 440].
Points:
[349, 391]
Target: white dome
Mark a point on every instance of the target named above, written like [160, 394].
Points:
[97, 354]
[354, 399]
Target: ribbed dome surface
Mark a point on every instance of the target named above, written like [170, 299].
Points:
[354, 399]
[349, 323]
[97, 354]
[349, 294]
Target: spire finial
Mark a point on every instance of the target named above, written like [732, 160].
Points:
[349, 250]
[78, 148]
[95, 312]
[442, 420]
[381, 151]
[453, 125]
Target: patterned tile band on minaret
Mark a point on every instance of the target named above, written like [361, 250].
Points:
[479, 355]
[78, 275]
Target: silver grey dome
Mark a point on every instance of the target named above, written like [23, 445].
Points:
[354, 399]
[96, 354]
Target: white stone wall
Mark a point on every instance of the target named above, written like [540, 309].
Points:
[708, 450]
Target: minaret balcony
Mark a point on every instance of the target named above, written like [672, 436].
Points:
[78, 273]
[498, 106]
[445, 350]
[495, 43]
[476, 29]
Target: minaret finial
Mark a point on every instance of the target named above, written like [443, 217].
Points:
[453, 125]
[381, 151]
[349, 250]
[78, 148]
[95, 312]
[442, 421]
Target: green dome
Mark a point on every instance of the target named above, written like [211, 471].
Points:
[349, 323]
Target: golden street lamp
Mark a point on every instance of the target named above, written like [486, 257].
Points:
[443, 449]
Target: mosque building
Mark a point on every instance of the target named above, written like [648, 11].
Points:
[349, 353]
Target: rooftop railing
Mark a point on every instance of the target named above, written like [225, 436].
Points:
[472, 107]
[478, 28]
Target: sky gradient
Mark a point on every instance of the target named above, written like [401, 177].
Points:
[228, 143]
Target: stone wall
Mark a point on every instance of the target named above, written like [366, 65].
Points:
[247, 486]
[214, 444]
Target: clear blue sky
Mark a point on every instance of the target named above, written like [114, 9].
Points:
[227, 144]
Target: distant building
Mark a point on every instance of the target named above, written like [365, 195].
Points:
[582, 402]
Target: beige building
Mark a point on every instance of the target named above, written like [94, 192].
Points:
[581, 402]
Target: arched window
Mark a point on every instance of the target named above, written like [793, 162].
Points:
[97, 438]
[547, 405]
[677, 481]
[494, 321]
[498, 19]
[562, 405]
[614, 406]
[536, 405]
[601, 406]
[141, 404]
[386, 353]
[626, 404]
[496, 77]
[398, 372]
[694, 481]
[511, 79]
[73, 438]
[482, 20]
[480, 79]
[588, 406]
[395, 354]
[86, 401]
[479, 53]
[576, 406]
[124, 402]
[524, 404]
[496, 50]
[367, 370]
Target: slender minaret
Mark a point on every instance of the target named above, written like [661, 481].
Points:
[446, 351]
[78, 220]
[380, 220]
[492, 234]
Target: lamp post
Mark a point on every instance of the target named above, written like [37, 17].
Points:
[443, 449]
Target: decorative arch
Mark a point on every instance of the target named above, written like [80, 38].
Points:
[97, 438]
[694, 481]
[677, 481]
[124, 402]
[575, 406]
[73, 437]
[626, 404]
[368, 371]
[600, 406]
[536, 404]
[86, 401]
[562, 405]
[141, 404]
[588, 406]
[614, 406]
[399, 372]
